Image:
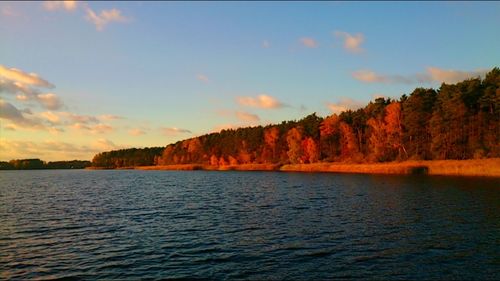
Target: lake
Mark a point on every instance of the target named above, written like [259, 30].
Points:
[126, 224]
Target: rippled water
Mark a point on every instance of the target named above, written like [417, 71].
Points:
[247, 225]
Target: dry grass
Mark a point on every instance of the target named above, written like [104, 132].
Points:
[379, 168]
[481, 167]
[250, 167]
[179, 167]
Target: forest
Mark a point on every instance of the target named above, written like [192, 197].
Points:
[36, 164]
[130, 157]
[457, 121]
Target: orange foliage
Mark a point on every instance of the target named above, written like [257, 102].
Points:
[294, 141]
[311, 152]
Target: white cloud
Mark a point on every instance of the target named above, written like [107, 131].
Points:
[266, 44]
[104, 17]
[202, 78]
[60, 5]
[174, 131]
[261, 101]
[309, 42]
[352, 43]
[344, 104]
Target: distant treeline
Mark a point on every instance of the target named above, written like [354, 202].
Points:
[456, 121]
[127, 157]
[35, 164]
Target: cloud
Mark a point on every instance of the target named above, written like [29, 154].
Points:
[344, 104]
[202, 78]
[24, 86]
[14, 115]
[432, 74]
[104, 17]
[53, 150]
[452, 76]
[136, 132]
[59, 5]
[51, 117]
[261, 101]
[68, 118]
[221, 127]
[240, 115]
[105, 145]
[248, 117]
[16, 75]
[266, 44]
[8, 11]
[110, 117]
[174, 131]
[352, 43]
[308, 42]
[50, 101]
[94, 129]
[10, 127]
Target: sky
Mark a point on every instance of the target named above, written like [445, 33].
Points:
[78, 78]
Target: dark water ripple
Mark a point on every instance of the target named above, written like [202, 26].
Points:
[246, 225]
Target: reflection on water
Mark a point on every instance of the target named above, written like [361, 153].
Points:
[247, 225]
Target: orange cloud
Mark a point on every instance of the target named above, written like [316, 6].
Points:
[59, 5]
[452, 76]
[16, 75]
[174, 131]
[110, 117]
[432, 74]
[248, 117]
[309, 42]
[136, 132]
[344, 104]
[53, 150]
[261, 101]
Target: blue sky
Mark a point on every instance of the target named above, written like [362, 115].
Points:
[135, 74]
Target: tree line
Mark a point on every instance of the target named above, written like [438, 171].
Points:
[127, 157]
[36, 164]
[456, 121]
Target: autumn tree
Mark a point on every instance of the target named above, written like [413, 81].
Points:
[417, 112]
[294, 141]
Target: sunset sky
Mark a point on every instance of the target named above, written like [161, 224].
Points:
[77, 78]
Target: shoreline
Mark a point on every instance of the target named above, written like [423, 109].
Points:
[480, 167]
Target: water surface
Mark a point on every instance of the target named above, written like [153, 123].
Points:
[247, 225]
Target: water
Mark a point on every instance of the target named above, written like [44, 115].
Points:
[246, 225]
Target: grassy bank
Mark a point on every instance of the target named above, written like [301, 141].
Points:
[481, 167]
